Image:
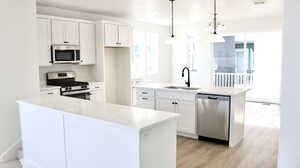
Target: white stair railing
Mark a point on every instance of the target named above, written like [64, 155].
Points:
[240, 80]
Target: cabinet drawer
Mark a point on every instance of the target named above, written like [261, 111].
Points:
[145, 99]
[50, 92]
[145, 102]
[145, 92]
[176, 95]
[96, 86]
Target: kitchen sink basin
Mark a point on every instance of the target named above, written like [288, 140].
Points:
[180, 87]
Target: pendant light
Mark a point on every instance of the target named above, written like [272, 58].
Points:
[172, 39]
[215, 37]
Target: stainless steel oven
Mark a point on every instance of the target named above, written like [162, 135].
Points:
[66, 54]
[83, 94]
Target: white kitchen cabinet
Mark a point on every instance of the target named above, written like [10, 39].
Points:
[87, 43]
[124, 35]
[145, 98]
[187, 120]
[65, 32]
[111, 34]
[97, 92]
[181, 103]
[116, 35]
[167, 105]
[44, 41]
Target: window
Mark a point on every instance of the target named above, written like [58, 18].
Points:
[145, 54]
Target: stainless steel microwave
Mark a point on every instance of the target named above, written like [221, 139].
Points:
[65, 54]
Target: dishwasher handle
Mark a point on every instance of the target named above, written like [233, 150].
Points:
[213, 97]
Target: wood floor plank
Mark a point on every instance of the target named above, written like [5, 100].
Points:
[258, 149]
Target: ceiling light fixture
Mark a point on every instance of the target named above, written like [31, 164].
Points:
[172, 39]
[215, 37]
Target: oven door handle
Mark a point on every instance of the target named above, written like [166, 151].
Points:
[76, 92]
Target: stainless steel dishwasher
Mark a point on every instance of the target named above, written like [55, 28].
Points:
[213, 116]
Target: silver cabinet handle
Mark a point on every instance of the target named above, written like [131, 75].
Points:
[144, 92]
[145, 98]
[51, 93]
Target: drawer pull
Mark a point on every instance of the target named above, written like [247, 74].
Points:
[51, 93]
[97, 87]
[144, 92]
[145, 98]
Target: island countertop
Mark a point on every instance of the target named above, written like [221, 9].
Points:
[128, 116]
[201, 90]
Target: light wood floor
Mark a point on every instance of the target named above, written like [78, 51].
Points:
[258, 149]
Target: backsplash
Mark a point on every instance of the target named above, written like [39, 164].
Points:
[83, 72]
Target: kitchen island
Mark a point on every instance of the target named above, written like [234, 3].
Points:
[65, 132]
[207, 113]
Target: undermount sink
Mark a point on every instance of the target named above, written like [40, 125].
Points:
[180, 87]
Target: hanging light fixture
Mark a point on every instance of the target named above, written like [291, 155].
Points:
[214, 36]
[172, 39]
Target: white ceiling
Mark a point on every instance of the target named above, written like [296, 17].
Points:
[158, 11]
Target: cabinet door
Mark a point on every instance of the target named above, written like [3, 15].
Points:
[71, 33]
[87, 43]
[97, 96]
[58, 32]
[111, 34]
[187, 119]
[124, 35]
[165, 105]
[44, 41]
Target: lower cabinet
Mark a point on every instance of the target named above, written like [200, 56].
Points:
[145, 98]
[186, 109]
[183, 103]
[97, 92]
[97, 96]
[49, 92]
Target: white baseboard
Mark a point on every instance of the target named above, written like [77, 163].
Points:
[12, 152]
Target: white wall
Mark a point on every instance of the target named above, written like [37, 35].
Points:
[18, 67]
[205, 59]
[83, 72]
[267, 66]
[289, 142]
[202, 63]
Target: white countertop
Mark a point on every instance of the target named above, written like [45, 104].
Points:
[203, 90]
[133, 117]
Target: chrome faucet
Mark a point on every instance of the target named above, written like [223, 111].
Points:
[188, 82]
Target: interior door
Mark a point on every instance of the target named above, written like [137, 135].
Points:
[187, 119]
[111, 34]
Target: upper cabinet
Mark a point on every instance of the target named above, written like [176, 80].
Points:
[87, 43]
[44, 41]
[65, 32]
[124, 35]
[116, 35]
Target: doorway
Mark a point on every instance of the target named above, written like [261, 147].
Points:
[251, 60]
